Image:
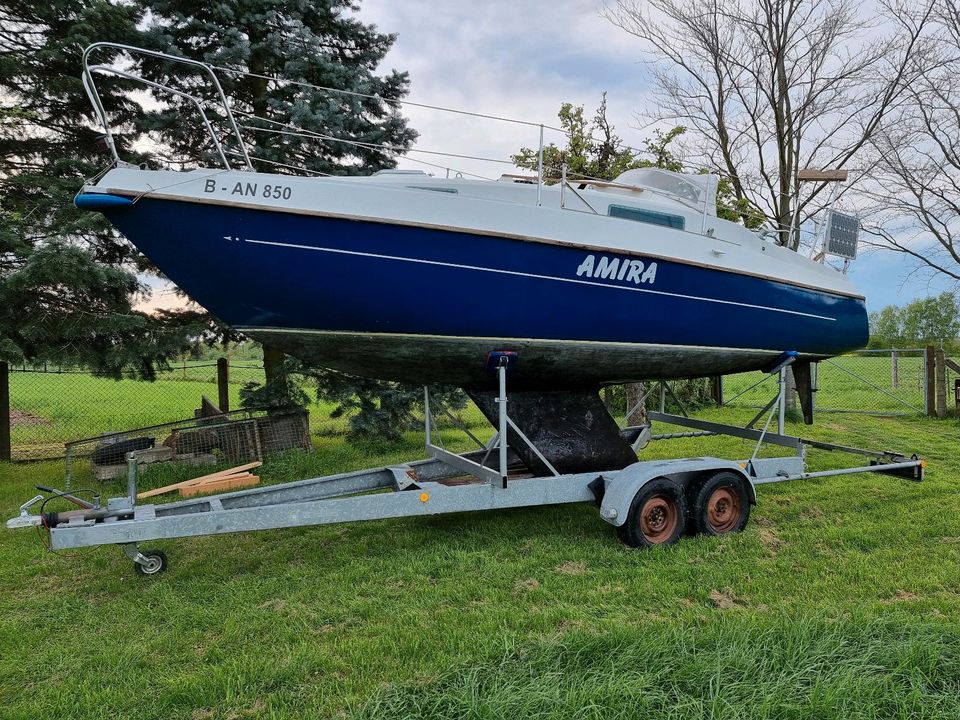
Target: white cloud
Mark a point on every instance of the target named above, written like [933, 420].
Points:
[513, 58]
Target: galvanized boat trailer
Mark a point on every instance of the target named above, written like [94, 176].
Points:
[649, 502]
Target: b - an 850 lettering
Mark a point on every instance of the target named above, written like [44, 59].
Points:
[248, 189]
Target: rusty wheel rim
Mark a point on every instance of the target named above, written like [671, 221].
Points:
[658, 519]
[723, 509]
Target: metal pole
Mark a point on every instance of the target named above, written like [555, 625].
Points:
[502, 372]
[426, 413]
[563, 184]
[132, 478]
[540, 169]
[780, 400]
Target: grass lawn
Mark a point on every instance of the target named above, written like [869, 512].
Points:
[840, 600]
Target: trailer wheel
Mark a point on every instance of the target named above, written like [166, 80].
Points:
[721, 504]
[658, 515]
[156, 563]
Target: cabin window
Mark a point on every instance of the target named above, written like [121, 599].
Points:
[452, 191]
[647, 216]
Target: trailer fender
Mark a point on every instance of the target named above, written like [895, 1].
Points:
[622, 486]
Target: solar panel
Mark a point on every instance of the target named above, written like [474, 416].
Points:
[842, 233]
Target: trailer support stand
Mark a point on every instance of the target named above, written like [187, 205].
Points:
[502, 400]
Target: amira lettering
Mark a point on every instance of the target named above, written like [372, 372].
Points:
[618, 269]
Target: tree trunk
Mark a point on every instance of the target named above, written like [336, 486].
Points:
[272, 363]
[790, 392]
[635, 391]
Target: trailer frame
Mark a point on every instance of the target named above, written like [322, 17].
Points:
[446, 482]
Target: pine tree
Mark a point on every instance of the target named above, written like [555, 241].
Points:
[68, 282]
[284, 49]
[272, 58]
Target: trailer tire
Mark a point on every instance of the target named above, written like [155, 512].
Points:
[157, 563]
[720, 504]
[657, 516]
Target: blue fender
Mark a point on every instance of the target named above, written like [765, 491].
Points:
[101, 201]
[622, 486]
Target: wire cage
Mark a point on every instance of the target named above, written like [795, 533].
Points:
[224, 438]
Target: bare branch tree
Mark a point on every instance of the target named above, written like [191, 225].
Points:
[770, 87]
[917, 178]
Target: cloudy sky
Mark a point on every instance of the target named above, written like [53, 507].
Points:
[522, 59]
[514, 58]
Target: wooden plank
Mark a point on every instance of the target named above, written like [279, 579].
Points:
[199, 480]
[241, 476]
[952, 365]
[810, 174]
[220, 485]
[929, 375]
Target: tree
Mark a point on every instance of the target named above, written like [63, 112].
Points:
[925, 321]
[916, 188]
[275, 59]
[775, 86]
[886, 328]
[68, 282]
[606, 157]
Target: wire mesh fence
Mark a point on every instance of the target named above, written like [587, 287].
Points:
[53, 405]
[876, 382]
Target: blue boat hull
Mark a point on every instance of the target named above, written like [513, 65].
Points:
[424, 304]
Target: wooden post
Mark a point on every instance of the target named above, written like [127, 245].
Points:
[716, 389]
[272, 362]
[894, 369]
[928, 376]
[790, 395]
[5, 450]
[223, 384]
[941, 381]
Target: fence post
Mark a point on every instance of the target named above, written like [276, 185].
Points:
[894, 369]
[5, 450]
[929, 386]
[941, 380]
[223, 384]
[716, 389]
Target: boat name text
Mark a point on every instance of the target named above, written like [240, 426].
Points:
[618, 269]
[249, 189]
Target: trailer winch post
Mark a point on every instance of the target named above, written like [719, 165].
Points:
[132, 478]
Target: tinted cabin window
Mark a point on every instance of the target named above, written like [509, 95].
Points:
[647, 216]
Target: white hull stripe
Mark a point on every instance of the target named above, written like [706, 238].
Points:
[539, 277]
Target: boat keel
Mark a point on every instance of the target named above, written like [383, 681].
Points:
[572, 429]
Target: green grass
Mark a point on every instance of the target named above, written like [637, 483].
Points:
[840, 600]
